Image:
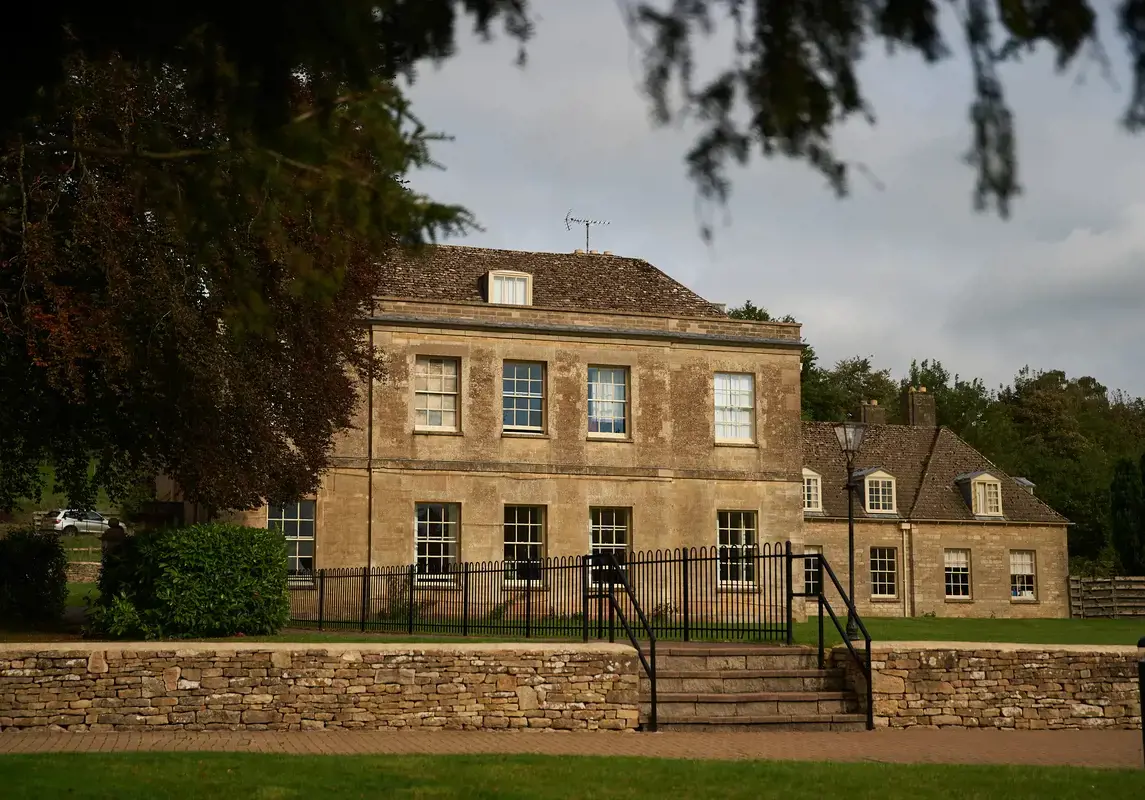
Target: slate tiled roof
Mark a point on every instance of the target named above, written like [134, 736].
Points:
[565, 281]
[925, 463]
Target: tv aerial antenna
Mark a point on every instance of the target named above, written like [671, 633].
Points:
[570, 220]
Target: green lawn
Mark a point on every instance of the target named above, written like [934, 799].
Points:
[233, 775]
[79, 593]
[1023, 631]
[82, 547]
[1035, 631]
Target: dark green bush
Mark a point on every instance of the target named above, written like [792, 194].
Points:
[203, 581]
[33, 578]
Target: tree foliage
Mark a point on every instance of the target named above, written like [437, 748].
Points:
[178, 296]
[1071, 436]
[1127, 503]
[791, 78]
[750, 310]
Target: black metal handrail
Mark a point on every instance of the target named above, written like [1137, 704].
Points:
[864, 664]
[616, 575]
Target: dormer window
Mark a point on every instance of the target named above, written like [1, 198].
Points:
[879, 491]
[511, 288]
[812, 491]
[982, 492]
[988, 498]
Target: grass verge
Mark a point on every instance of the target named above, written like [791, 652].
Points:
[229, 775]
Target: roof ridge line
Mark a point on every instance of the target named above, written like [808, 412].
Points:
[926, 469]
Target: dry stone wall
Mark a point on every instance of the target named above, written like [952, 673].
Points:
[292, 687]
[83, 571]
[1025, 687]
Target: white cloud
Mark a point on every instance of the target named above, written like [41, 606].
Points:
[909, 271]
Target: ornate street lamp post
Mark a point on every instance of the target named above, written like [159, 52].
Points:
[850, 436]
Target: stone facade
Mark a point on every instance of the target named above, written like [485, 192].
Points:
[223, 686]
[668, 473]
[919, 553]
[1024, 687]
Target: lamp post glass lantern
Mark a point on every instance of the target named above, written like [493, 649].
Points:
[850, 435]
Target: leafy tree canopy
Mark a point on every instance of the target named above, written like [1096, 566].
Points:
[787, 84]
[192, 212]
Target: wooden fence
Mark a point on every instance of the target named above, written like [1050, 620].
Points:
[1114, 598]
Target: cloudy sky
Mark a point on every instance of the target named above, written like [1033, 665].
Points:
[905, 271]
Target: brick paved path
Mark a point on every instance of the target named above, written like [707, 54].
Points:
[1077, 748]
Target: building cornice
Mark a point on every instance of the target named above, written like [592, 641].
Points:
[528, 326]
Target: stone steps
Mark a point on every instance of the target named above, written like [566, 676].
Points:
[750, 680]
[749, 687]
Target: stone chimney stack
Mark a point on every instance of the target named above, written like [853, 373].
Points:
[872, 413]
[919, 409]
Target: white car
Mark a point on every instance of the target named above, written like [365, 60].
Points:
[70, 522]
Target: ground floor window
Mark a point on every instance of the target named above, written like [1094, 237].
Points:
[609, 533]
[524, 543]
[737, 540]
[296, 521]
[884, 572]
[957, 577]
[435, 538]
[1023, 571]
[811, 570]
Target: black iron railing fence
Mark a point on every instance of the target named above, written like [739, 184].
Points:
[685, 594]
[716, 594]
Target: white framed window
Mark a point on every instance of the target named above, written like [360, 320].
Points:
[511, 288]
[987, 498]
[880, 494]
[296, 521]
[956, 578]
[436, 527]
[436, 383]
[738, 540]
[608, 401]
[735, 407]
[811, 569]
[523, 397]
[1023, 575]
[884, 572]
[608, 533]
[524, 533]
[812, 491]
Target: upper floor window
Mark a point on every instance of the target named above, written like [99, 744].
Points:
[435, 393]
[879, 491]
[812, 491]
[735, 407]
[608, 401]
[511, 288]
[523, 397]
[987, 497]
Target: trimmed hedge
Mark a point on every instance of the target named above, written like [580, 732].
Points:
[33, 578]
[203, 581]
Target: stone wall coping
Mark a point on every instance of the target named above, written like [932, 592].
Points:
[1001, 647]
[188, 647]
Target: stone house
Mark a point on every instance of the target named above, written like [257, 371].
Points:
[939, 530]
[545, 404]
[538, 405]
